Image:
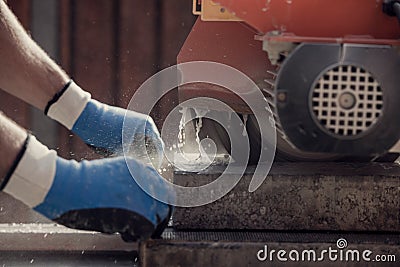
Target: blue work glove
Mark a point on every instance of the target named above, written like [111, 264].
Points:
[100, 125]
[98, 195]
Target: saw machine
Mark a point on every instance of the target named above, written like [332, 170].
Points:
[328, 69]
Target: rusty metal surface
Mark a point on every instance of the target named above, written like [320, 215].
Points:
[318, 18]
[301, 197]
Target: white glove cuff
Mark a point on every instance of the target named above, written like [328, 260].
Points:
[69, 106]
[34, 175]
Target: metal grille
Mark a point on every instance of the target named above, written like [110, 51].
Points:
[347, 100]
[281, 237]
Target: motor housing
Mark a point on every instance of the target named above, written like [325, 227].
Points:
[340, 98]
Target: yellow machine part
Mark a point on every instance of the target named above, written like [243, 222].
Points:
[212, 11]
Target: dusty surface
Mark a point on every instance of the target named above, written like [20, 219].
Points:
[51, 259]
[241, 248]
[302, 196]
[14, 211]
[53, 245]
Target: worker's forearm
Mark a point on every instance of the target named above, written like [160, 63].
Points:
[26, 71]
[12, 138]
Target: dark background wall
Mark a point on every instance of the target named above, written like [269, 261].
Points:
[109, 47]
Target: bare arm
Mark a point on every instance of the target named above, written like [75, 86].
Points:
[12, 138]
[26, 71]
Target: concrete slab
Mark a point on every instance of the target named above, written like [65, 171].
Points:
[302, 196]
[63, 259]
[14, 211]
[52, 238]
[241, 249]
[54, 245]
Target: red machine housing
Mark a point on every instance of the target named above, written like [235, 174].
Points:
[238, 43]
[316, 18]
[247, 45]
